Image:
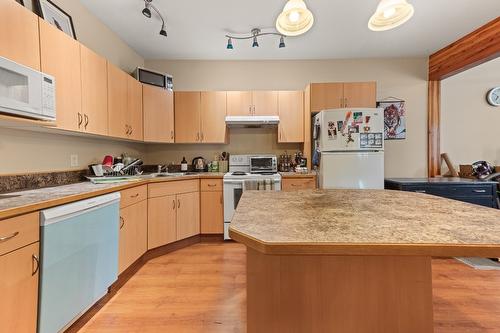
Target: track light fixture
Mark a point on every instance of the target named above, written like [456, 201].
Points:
[254, 34]
[147, 12]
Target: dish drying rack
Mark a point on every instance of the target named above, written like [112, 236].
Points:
[111, 176]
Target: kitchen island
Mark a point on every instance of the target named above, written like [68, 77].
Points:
[352, 260]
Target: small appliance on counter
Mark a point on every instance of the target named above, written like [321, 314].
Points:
[199, 164]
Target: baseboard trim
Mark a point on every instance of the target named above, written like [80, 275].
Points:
[133, 269]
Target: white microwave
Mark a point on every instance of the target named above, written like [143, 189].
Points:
[26, 92]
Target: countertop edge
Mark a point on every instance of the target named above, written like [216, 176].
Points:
[367, 249]
[25, 209]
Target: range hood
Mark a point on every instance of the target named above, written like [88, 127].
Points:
[252, 121]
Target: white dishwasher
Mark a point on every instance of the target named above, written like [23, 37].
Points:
[78, 259]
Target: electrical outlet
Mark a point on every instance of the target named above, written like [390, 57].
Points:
[74, 160]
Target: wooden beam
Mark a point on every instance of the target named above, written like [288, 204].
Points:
[433, 125]
[474, 49]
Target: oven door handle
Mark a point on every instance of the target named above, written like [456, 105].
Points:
[234, 182]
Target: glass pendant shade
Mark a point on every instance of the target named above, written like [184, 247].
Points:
[295, 19]
[390, 14]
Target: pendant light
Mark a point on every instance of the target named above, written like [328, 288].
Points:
[295, 19]
[390, 14]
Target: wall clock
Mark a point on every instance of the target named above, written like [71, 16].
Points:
[493, 96]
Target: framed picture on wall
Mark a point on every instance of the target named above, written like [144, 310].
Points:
[51, 13]
[394, 119]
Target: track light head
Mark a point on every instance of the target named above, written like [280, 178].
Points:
[229, 44]
[146, 11]
[163, 32]
[282, 42]
[255, 42]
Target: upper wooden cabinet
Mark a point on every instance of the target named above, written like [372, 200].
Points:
[124, 105]
[94, 92]
[158, 108]
[19, 36]
[326, 96]
[187, 116]
[252, 103]
[239, 103]
[342, 95]
[134, 109]
[265, 103]
[360, 95]
[291, 112]
[213, 117]
[60, 57]
[200, 117]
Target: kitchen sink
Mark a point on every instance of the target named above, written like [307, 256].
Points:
[166, 174]
[8, 196]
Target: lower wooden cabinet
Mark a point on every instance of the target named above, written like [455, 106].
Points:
[133, 237]
[294, 184]
[19, 290]
[211, 207]
[188, 215]
[173, 212]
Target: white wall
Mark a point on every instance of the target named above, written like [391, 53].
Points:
[403, 78]
[470, 127]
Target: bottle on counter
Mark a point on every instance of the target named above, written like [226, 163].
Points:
[184, 164]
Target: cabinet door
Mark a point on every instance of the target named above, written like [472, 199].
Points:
[134, 109]
[19, 289]
[162, 221]
[60, 57]
[187, 116]
[188, 215]
[360, 95]
[133, 234]
[158, 108]
[239, 103]
[117, 102]
[291, 112]
[213, 116]
[326, 96]
[265, 103]
[212, 213]
[295, 184]
[19, 37]
[94, 92]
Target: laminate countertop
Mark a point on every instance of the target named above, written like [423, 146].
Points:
[33, 200]
[364, 222]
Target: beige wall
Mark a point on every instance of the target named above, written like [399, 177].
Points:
[27, 151]
[91, 32]
[403, 78]
[470, 127]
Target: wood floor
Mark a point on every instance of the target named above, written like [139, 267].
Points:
[202, 289]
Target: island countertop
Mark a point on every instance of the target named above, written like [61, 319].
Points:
[364, 222]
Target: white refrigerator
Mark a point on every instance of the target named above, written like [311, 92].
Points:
[350, 146]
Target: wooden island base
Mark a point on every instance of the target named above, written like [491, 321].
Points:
[344, 294]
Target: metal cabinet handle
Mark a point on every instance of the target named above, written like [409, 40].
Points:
[253, 110]
[37, 262]
[86, 121]
[345, 102]
[201, 136]
[131, 130]
[135, 195]
[198, 136]
[80, 119]
[126, 130]
[250, 109]
[173, 204]
[6, 238]
[421, 191]
[479, 191]
[212, 185]
[294, 185]
[122, 222]
[178, 203]
[171, 134]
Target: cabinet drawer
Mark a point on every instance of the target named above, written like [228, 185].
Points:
[19, 231]
[298, 184]
[211, 185]
[133, 195]
[173, 187]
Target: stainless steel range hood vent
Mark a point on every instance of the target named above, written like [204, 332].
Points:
[252, 121]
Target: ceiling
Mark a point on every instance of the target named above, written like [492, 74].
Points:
[196, 28]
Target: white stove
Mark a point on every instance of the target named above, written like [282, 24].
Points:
[248, 172]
